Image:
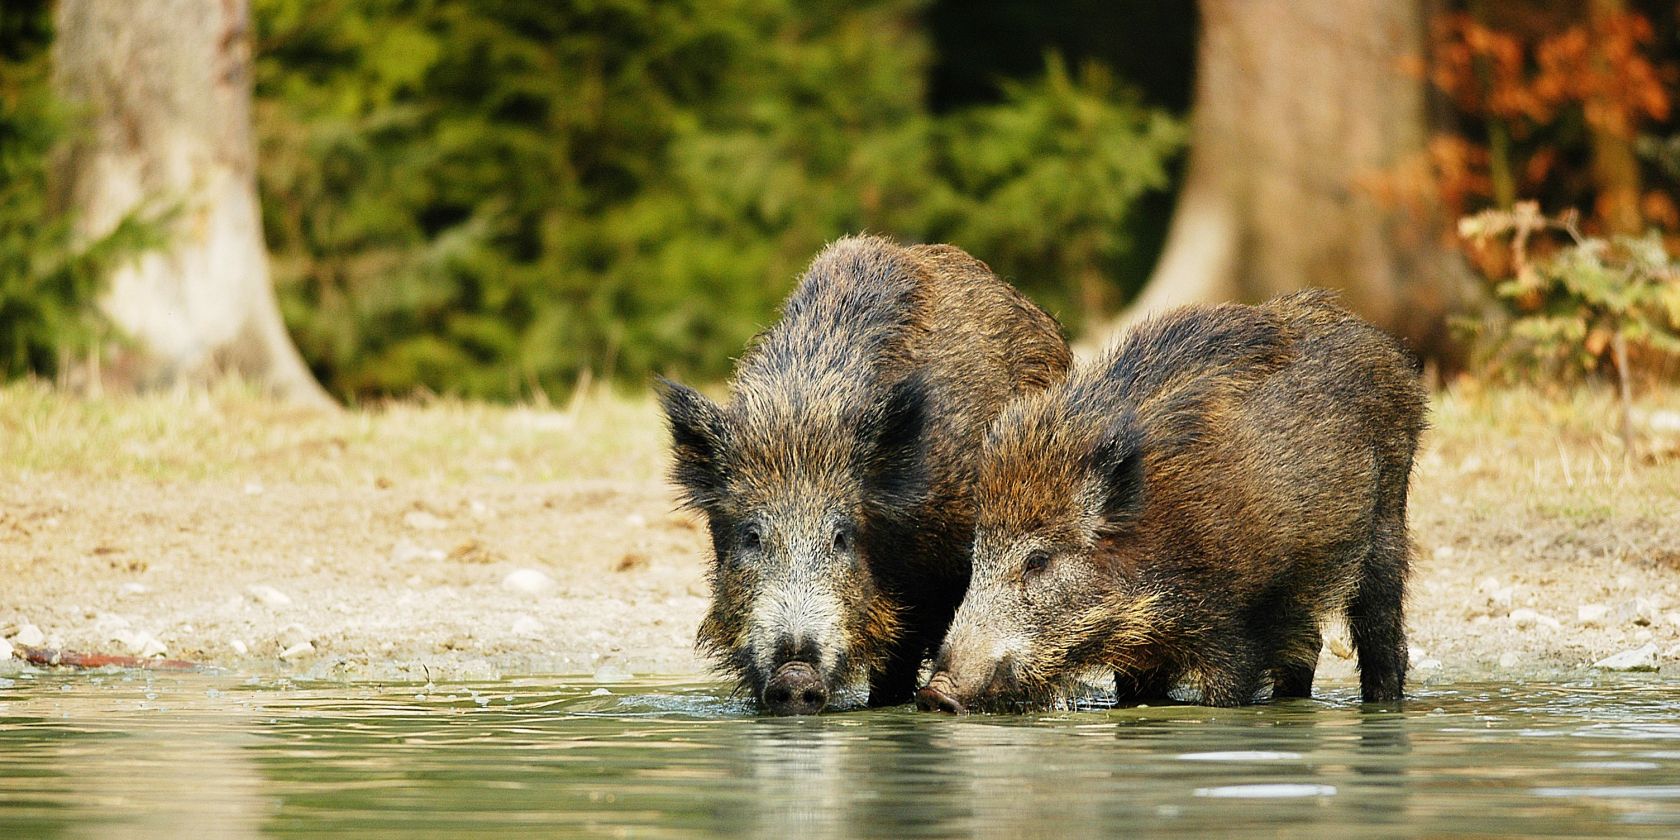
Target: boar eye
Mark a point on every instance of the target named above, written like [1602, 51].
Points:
[750, 537]
[842, 540]
[1035, 563]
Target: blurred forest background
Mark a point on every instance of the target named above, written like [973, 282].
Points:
[504, 198]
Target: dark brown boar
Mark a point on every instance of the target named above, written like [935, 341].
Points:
[837, 480]
[1189, 507]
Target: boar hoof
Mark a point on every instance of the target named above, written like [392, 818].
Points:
[796, 689]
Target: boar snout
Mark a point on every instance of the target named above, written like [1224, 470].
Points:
[936, 696]
[795, 689]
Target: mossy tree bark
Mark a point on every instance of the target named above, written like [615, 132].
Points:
[1300, 108]
[165, 87]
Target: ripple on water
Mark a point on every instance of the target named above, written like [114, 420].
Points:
[1266, 791]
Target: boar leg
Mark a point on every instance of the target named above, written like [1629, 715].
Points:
[1132, 687]
[1375, 615]
[1293, 666]
[1229, 671]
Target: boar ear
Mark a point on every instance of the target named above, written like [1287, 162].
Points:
[1117, 462]
[699, 437]
[890, 433]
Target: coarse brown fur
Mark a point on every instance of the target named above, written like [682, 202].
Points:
[837, 481]
[1189, 507]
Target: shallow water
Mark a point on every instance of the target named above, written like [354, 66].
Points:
[135, 754]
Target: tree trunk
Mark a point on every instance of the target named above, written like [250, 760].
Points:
[1300, 106]
[166, 89]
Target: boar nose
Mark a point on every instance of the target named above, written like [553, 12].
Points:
[795, 689]
[936, 696]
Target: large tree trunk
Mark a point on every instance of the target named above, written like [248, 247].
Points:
[1300, 105]
[166, 88]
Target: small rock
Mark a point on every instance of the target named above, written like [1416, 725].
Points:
[1488, 585]
[293, 635]
[1509, 659]
[131, 589]
[298, 650]
[5, 650]
[1415, 653]
[1638, 610]
[421, 520]
[1524, 617]
[1443, 552]
[238, 646]
[142, 644]
[268, 596]
[29, 635]
[407, 552]
[1643, 658]
[529, 581]
[1673, 619]
[1591, 615]
[1503, 597]
[527, 626]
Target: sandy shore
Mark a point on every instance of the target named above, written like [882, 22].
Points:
[461, 541]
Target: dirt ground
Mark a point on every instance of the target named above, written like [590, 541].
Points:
[449, 540]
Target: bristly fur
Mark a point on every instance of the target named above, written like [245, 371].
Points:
[861, 409]
[1208, 490]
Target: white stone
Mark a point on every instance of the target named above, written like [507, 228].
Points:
[407, 552]
[1503, 597]
[1524, 617]
[268, 596]
[1643, 658]
[293, 635]
[152, 647]
[5, 650]
[421, 520]
[29, 636]
[1638, 610]
[298, 650]
[1488, 585]
[1591, 615]
[527, 626]
[1415, 654]
[130, 589]
[238, 646]
[1443, 552]
[1508, 659]
[529, 581]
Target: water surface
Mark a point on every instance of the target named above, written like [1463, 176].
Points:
[136, 754]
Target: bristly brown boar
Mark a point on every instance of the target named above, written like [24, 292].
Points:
[837, 481]
[1189, 507]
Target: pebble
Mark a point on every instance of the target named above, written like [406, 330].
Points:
[5, 649]
[29, 635]
[529, 581]
[142, 644]
[1673, 618]
[268, 596]
[238, 646]
[421, 520]
[1643, 658]
[407, 552]
[130, 589]
[293, 635]
[1525, 617]
[527, 626]
[1509, 659]
[1639, 610]
[297, 650]
[1592, 615]
[1414, 654]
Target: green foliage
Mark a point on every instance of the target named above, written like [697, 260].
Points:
[1577, 302]
[490, 197]
[47, 285]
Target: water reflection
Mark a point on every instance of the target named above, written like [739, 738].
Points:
[119, 756]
